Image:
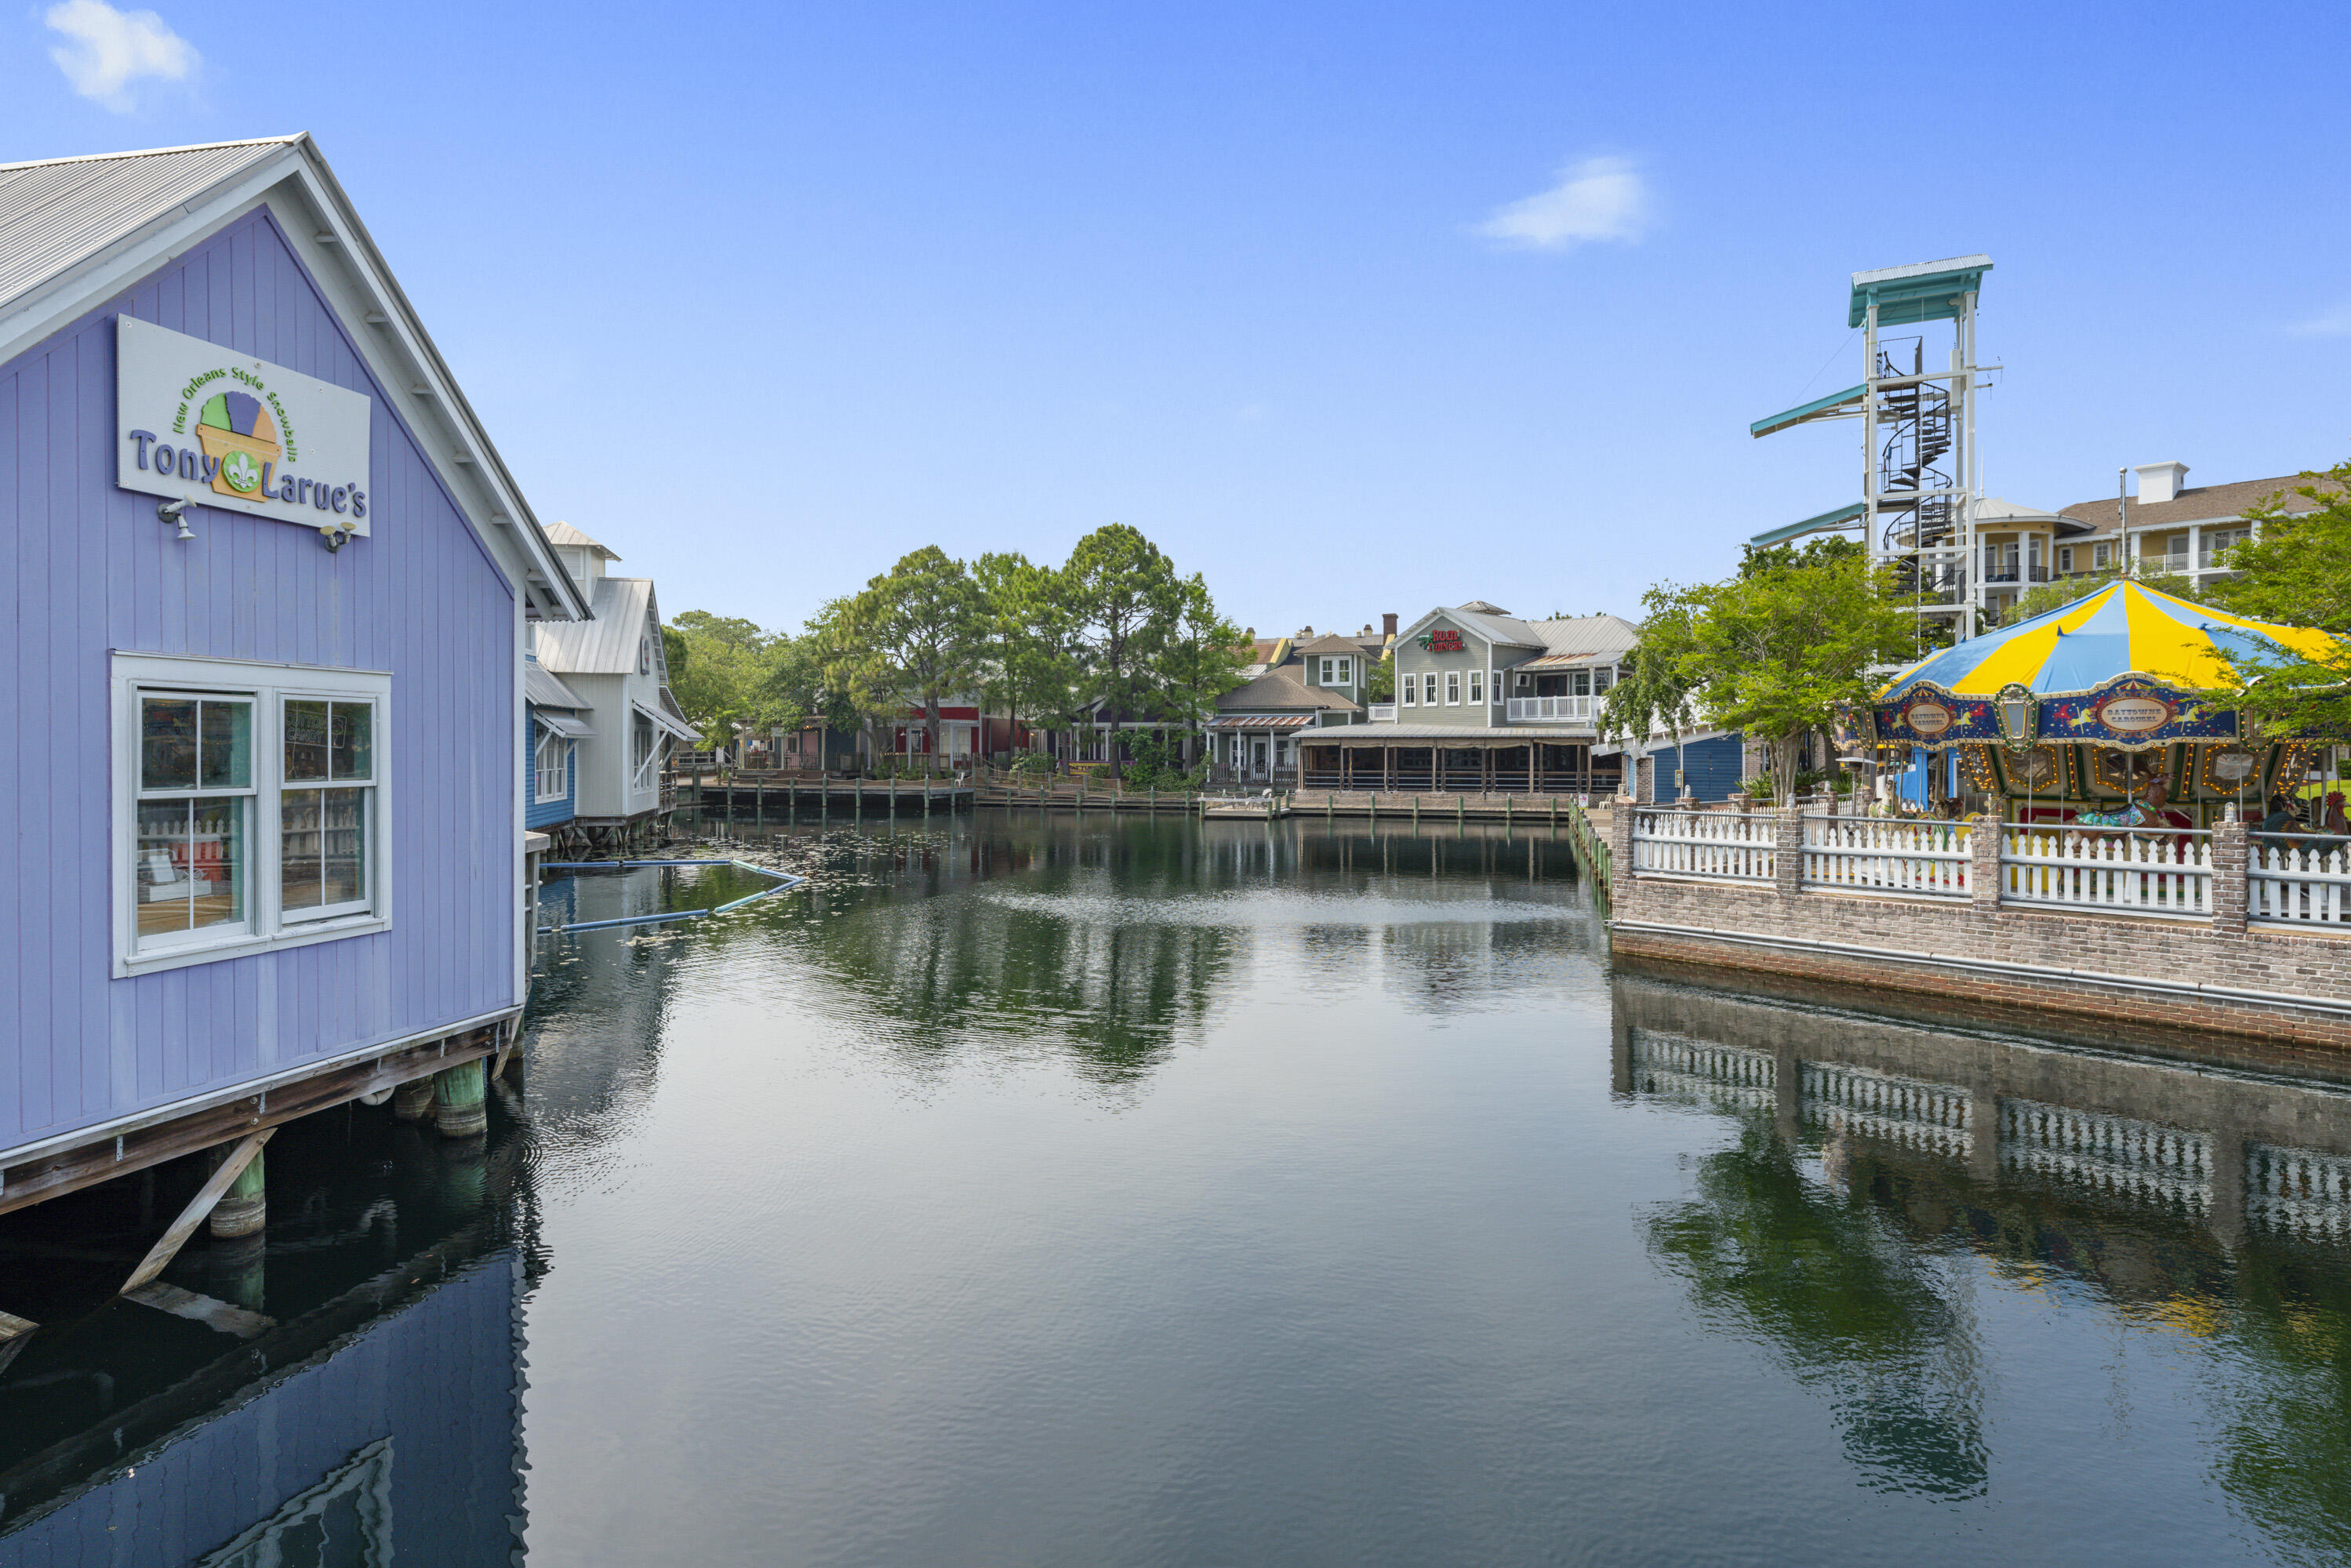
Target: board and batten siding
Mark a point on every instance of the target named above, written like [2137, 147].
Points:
[538, 814]
[86, 569]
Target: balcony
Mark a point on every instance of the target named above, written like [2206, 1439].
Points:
[1550, 710]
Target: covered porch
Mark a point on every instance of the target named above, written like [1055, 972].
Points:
[1433, 759]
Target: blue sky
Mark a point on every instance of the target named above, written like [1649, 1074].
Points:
[1355, 308]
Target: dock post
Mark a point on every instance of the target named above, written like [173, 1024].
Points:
[1416, 811]
[413, 1101]
[459, 1107]
[1461, 810]
[160, 1256]
[243, 1208]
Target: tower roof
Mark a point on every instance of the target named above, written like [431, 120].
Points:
[1923, 291]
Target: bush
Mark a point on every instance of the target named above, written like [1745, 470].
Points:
[1034, 762]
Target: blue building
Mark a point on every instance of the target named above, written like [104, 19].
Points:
[271, 587]
[555, 721]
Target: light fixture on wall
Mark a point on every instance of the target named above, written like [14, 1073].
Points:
[176, 513]
[334, 535]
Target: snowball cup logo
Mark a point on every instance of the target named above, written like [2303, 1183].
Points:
[240, 437]
[200, 422]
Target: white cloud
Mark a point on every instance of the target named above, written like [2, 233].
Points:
[1600, 198]
[2334, 323]
[107, 50]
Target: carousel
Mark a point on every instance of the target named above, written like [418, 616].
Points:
[2098, 713]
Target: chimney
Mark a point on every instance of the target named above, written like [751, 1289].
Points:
[2160, 482]
[1305, 632]
[1388, 625]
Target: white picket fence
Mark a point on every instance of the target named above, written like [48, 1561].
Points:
[1887, 854]
[2164, 870]
[1732, 846]
[2298, 1189]
[2296, 881]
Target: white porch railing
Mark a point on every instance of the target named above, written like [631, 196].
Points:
[2164, 870]
[1879, 854]
[1732, 846]
[1569, 710]
[1382, 712]
[2295, 880]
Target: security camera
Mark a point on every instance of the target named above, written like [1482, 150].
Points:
[175, 512]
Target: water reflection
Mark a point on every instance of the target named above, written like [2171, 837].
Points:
[1029, 1190]
[374, 1409]
[1864, 1157]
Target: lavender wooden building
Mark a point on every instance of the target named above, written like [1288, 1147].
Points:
[267, 588]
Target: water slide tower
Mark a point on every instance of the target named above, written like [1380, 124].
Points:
[1920, 473]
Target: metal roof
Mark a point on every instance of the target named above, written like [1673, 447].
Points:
[563, 723]
[606, 645]
[58, 212]
[1923, 291]
[541, 689]
[1827, 522]
[564, 534]
[62, 218]
[1829, 407]
[1262, 721]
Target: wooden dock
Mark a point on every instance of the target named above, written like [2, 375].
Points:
[786, 795]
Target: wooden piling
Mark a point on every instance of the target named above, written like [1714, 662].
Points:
[243, 1208]
[413, 1101]
[460, 1108]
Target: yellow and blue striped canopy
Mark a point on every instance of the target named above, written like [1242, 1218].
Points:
[2116, 629]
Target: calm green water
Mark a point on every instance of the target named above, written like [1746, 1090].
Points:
[1036, 1191]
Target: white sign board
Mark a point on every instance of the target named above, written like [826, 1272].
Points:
[209, 425]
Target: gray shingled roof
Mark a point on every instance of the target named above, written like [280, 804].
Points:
[2197, 504]
[1282, 688]
[59, 213]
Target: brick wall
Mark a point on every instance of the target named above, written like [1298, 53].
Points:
[2110, 970]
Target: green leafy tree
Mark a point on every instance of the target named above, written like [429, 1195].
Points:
[1200, 655]
[2298, 574]
[1775, 652]
[722, 672]
[1379, 681]
[1027, 658]
[1121, 597]
[920, 630]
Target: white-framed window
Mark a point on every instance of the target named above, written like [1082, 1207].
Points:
[1346, 672]
[2101, 556]
[1477, 688]
[1452, 688]
[2065, 558]
[1328, 666]
[551, 766]
[1428, 689]
[249, 808]
[1405, 687]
